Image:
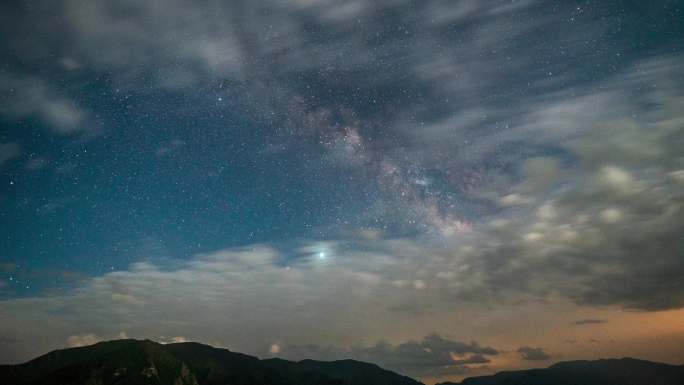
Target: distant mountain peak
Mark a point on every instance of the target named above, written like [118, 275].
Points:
[607, 371]
[145, 362]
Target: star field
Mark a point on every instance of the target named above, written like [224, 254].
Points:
[344, 179]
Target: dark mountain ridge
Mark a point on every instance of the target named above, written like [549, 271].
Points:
[618, 371]
[135, 362]
[124, 362]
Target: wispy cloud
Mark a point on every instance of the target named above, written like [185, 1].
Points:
[9, 151]
[31, 97]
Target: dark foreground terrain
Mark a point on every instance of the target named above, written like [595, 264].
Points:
[127, 362]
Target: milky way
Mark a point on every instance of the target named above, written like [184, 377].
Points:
[442, 187]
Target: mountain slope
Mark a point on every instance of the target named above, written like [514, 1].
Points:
[354, 372]
[118, 362]
[125, 362]
[625, 371]
[220, 366]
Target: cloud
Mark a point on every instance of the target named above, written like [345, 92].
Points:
[170, 147]
[227, 281]
[126, 299]
[431, 356]
[37, 163]
[256, 295]
[589, 321]
[524, 180]
[268, 49]
[513, 200]
[82, 340]
[203, 44]
[69, 63]
[171, 340]
[595, 226]
[456, 106]
[533, 354]
[30, 97]
[86, 339]
[592, 232]
[8, 340]
[9, 151]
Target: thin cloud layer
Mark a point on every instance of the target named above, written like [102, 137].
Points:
[30, 97]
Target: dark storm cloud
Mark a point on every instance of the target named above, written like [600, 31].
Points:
[589, 321]
[533, 354]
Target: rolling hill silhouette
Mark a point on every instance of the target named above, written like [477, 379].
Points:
[623, 371]
[124, 362]
[136, 362]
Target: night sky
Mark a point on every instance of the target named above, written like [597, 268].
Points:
[445, 188]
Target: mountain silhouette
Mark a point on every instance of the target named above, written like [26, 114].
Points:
[129, 362]
[623, 371]
[135, 362]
